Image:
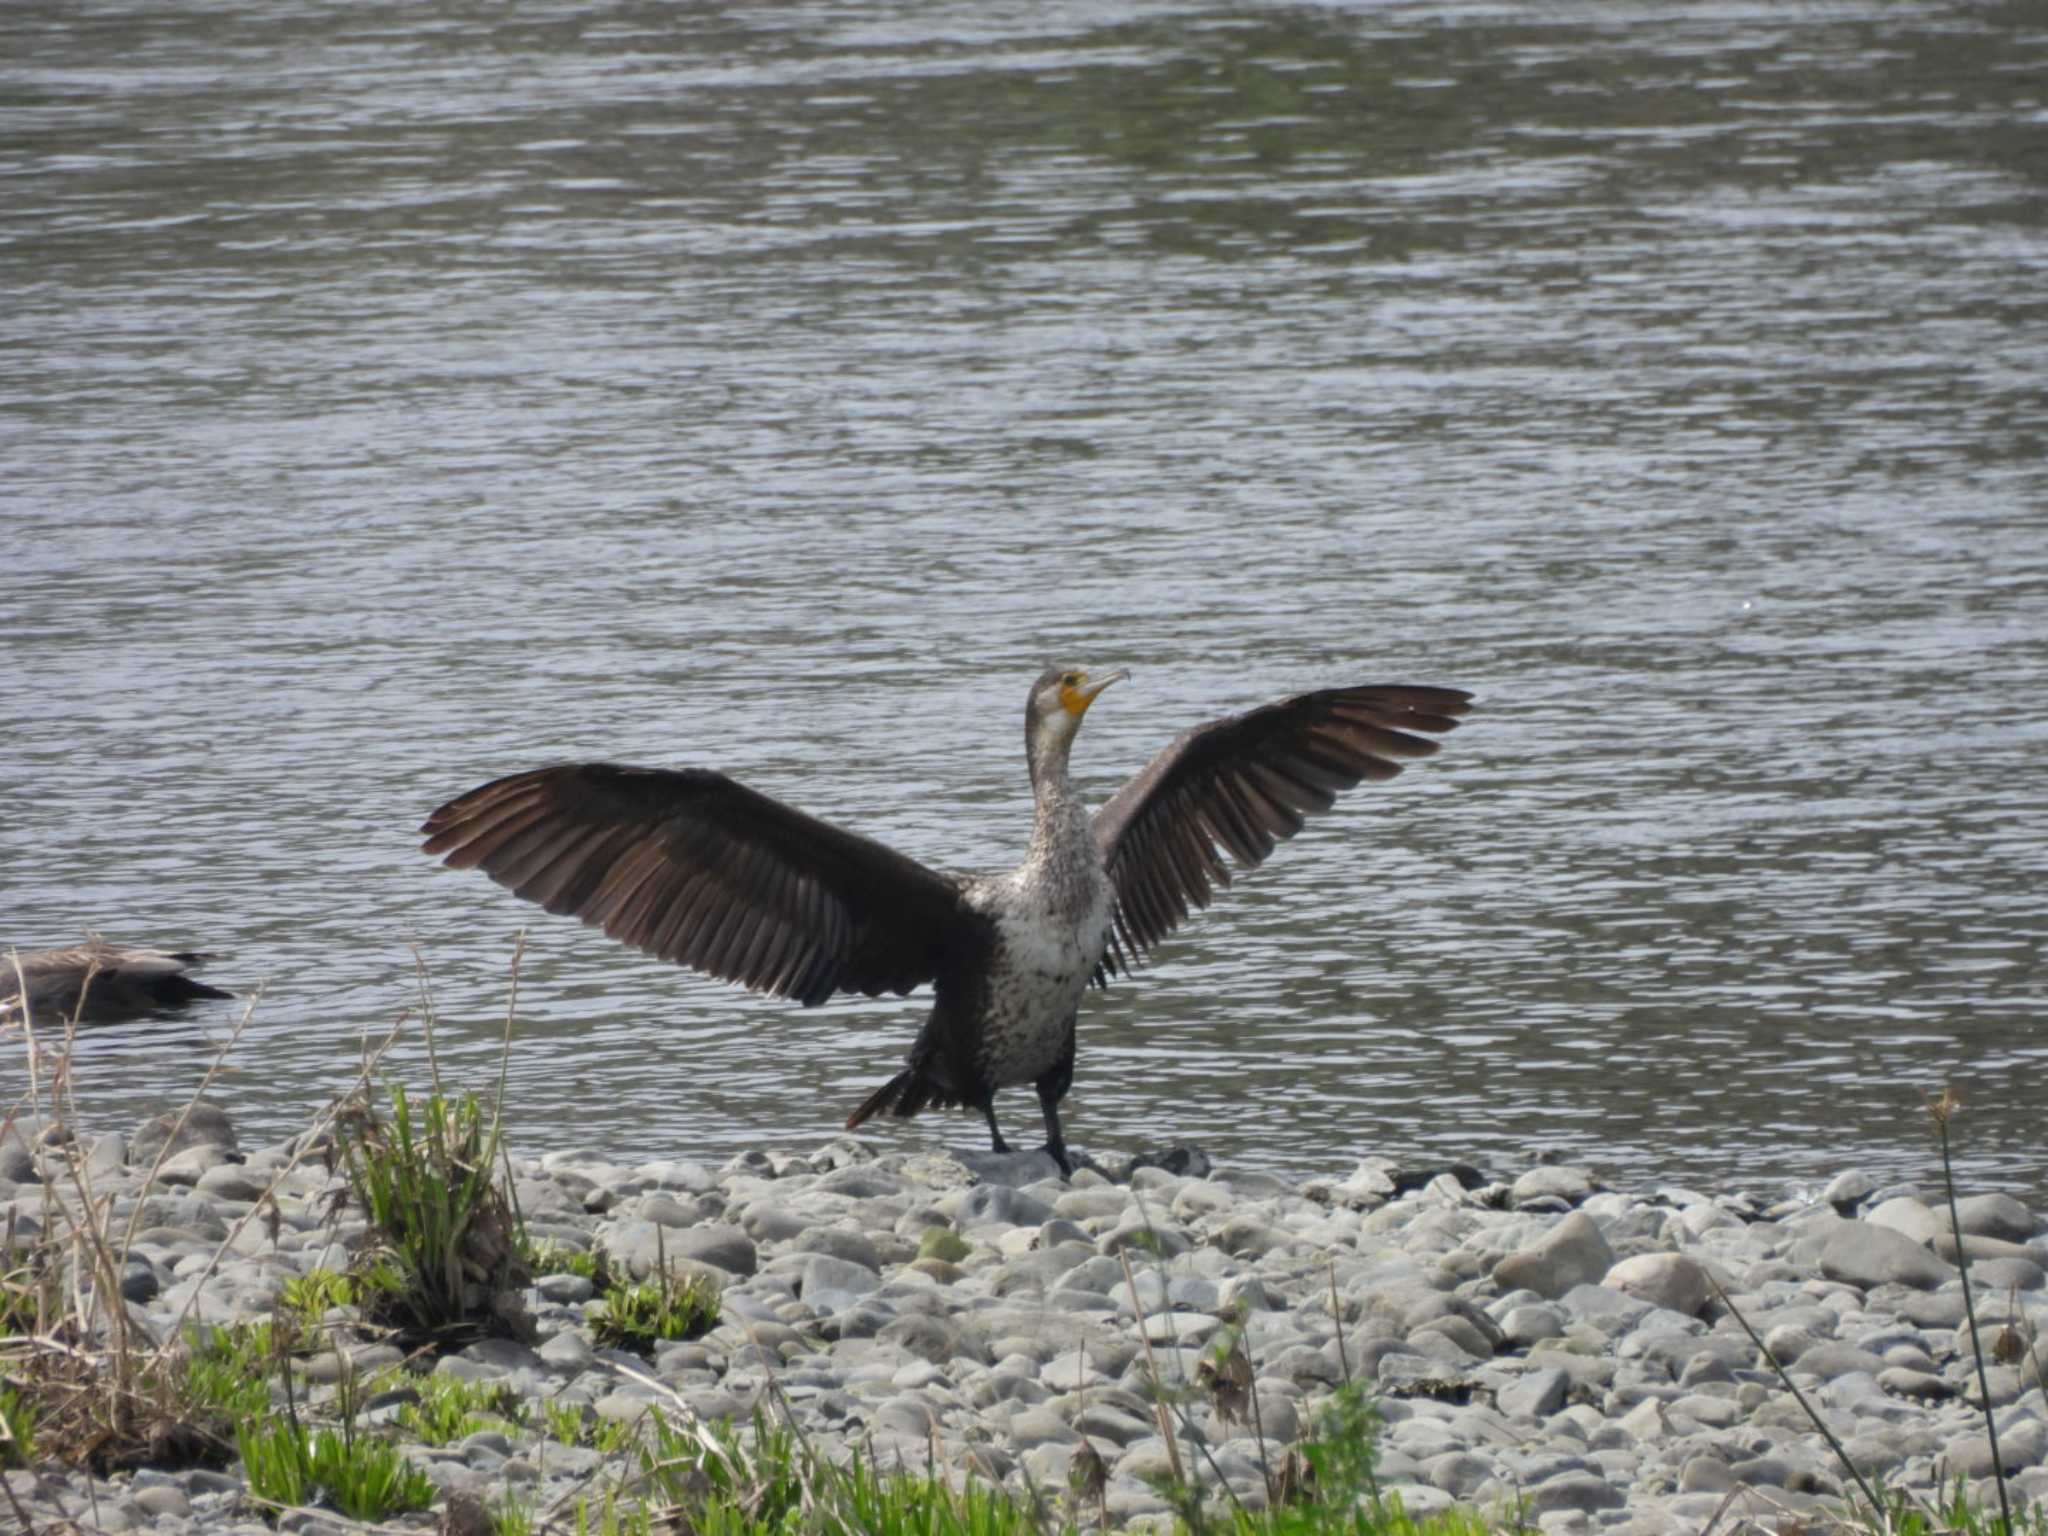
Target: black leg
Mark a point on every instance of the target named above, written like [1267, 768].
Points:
[1051, 1089]
[1055, 1143]
[995, 1136]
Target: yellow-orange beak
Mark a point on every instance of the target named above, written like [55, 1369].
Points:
[1076, 697]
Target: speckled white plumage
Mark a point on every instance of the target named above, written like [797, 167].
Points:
[1051, 930]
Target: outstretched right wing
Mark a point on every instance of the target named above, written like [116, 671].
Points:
[693, 867]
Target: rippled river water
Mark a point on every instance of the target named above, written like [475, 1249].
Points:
[396, 395]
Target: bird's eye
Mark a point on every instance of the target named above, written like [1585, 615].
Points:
[1072, 680]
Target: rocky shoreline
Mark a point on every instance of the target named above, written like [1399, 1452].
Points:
[1541, 1340]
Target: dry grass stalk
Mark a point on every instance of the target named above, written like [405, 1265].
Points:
[1180, 1475]
[104, 1398]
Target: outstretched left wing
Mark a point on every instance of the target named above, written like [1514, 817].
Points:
[1243, 784]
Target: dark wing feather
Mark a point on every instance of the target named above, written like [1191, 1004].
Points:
[1243, 784]
[695, 868]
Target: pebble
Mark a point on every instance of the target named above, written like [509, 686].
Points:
[1548, 1339]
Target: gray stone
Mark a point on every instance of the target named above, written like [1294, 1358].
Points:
[937, 1339]
[823, 1273]
[202, 1123]
[1532, 1324]
[1612, 1312]
[1786, 1342]
[2014, 1274]
[1906, 1215]
[566, 1351]
[1999, 1216]
[107, 1155]
[907, 1415]
[1705, 1474]
[1972, 1246]
[639, 1246]
[1560, 1181]
[188, 1166]
[565, 1290]
[1249, 1237]
[162, 1499]
[839, 1243]
[1036, 1426]
[1866, 1254]
[228, 1181]
[1472, 1342]
[1704, 1217]
[1458, 1473]
[1033, 1273]
[1534, 1395]
[2021, 1444]
[768, 1222]
[1669, 1280]
[1010, 1169]
[983, 1205]
[1199, 1199]
[1572, 1253]
[666, 1210]
[1846, 1189]
[1924, 1386]
[1925, 1309]
[1830, 1358]
[1277, 1417]
[1581, 1491]
[1097, 1204]
[1137, 1232]
[1179, 1327]
[678, 1174]
[19, 1139]
[1103, 1421]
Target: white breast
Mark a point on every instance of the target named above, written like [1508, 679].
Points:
[1043, 960]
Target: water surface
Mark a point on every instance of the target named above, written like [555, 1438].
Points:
[396, 397]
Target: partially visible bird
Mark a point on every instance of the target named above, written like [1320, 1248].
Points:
[694, 867]
[98, 982]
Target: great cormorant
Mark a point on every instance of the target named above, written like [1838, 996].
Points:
[693, 867]
[112, 981]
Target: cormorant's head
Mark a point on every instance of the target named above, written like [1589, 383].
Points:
[1059, 699]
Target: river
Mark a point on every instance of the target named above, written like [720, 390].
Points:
[397, 396]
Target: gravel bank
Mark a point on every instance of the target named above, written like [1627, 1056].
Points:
[1543, 1339]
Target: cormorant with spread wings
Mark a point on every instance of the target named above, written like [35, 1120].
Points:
[696, 868]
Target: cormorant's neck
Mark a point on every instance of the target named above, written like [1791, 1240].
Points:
[1052, 792]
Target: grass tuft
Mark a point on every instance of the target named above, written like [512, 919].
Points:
[664, 1308]
[443, 1266]
[17, 1429]
[450, 1408]
[364, 1477]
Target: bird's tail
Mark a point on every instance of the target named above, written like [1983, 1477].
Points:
[902, 1096]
